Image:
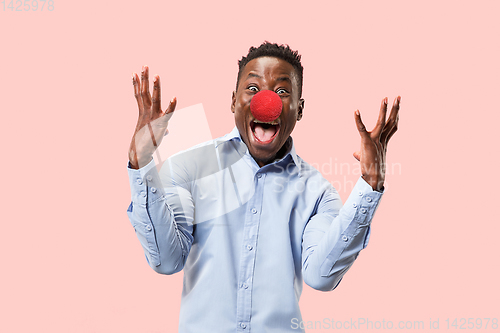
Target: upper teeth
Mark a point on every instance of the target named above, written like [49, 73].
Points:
[263, 122]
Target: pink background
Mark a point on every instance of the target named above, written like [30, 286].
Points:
[70, 259]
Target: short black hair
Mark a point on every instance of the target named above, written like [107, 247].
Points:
[283, 52]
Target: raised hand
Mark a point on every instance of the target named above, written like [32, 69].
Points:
[372, 154]
[152, 122]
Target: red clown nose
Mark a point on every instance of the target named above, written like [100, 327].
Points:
[266, 106]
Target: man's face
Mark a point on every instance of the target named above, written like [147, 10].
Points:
[267, 73]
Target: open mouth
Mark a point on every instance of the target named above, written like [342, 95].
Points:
[264, 132]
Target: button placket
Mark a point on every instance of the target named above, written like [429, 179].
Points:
[247, 259]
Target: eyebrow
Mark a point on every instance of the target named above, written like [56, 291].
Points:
[284, 78]
[281, 78]
[254, 75]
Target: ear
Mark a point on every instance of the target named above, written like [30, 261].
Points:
[233, 101]
[301, 109]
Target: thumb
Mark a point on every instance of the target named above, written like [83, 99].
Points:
[357, 155]
[171, 107]
[169, 112]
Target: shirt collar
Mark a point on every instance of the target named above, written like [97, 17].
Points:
[235, 135]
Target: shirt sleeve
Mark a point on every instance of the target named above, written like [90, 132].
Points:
[336, 234]
[165, 237]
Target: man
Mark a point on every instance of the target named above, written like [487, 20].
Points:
[243, 215]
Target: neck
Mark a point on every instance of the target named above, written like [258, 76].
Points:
[279, 155]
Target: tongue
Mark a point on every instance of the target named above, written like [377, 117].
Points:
[264, 134]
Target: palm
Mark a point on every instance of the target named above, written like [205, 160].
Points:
[372, 155]
[152, 122]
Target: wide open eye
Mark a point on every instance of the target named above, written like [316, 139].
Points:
[253, 88]
[281, 91]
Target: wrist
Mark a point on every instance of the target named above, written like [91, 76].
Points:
[377, 183]
[137, 162]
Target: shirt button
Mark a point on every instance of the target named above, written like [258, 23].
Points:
[344, 238]
[363, 210]
[148, 228]
[259, 175]
[249, 247]
[368, 199]
[254, 210]
[360, 193]
[143, 194]
[149, 178]
[139, 181]
[153, 189]
[354, 205]
[243, 325]
[245, 286]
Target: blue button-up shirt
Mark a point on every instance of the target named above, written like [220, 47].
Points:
[246, 236]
